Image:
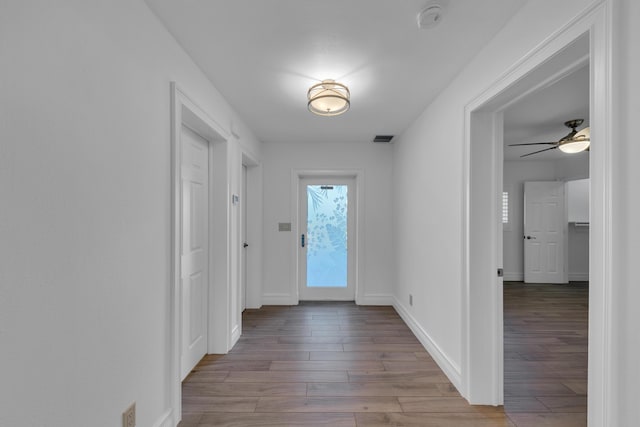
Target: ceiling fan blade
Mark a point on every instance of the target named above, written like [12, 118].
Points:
[534, 143]
[539, 151]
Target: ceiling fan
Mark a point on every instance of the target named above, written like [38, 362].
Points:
[573, 142]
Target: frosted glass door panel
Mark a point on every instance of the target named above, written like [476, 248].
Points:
[327, 236]
[327, 247]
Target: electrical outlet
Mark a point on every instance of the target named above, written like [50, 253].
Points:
[410, 300]
[129, 416]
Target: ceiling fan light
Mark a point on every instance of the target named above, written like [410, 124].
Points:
[328, 98]
[580, 142]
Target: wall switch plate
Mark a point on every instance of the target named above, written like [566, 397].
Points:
[129, 416]
[284, 226]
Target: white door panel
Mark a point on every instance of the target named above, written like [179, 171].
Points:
[243, 240]
[194, 248]
[544, 232]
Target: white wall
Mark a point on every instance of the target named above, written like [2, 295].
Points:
[428, 161]
[85, 209]
[515, 174]
[430, 152]
[375, 160]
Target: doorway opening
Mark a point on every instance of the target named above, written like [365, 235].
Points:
[327, 233]
[194, 248]
[201, 199]
[482, 295]
[546, 254]
[250, 238]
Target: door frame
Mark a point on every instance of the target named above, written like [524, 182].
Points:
[204, 302]
[253, 198]
[297, 175]
[352, 194]
[242, 241]
[482, 343]
[186, 112]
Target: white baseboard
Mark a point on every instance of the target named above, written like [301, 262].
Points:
[277, 299]
[375, 299]
[578, 277]
[513, 277]
[519, 277]
[450, 368]
[165, 420]
[235, 336]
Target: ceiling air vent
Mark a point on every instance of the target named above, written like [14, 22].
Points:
[383, 138]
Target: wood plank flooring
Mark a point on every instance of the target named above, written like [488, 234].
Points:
[546, 332]
[338, 364]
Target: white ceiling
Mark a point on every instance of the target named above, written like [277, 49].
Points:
[263, 55]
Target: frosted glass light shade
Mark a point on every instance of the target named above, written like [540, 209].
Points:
[328, 98]
[579, 142]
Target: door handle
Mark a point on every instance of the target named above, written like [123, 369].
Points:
[245, 245]
[529, 237]
[302, 240]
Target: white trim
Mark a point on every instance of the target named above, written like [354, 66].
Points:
[278, 299]
[254, 235]
[377, 299]
[448, 366]
[573, 277]
[513, 277]
[578, 277]
[596, 20]
[235, 335]
[601, 370]
[482, 337]
[296, 176]
[185, 112]
[165, 419]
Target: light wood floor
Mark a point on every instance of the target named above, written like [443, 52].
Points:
[338, 364]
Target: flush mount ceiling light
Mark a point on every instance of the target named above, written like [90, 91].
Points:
[328, 98]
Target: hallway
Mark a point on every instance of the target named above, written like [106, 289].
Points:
[339, 364]
[334, 364]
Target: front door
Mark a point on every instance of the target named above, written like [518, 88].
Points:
[194, 247]
[326, 240]
[545, 224]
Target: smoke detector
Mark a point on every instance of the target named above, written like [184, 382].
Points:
[430, 16]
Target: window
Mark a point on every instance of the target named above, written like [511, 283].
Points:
[505, 214]
[505, 207]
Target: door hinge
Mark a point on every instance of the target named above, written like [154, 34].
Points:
[500, 272]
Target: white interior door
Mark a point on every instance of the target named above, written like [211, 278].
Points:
[243, 239]
[326, 240]
[545, 224]
[194, 248]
